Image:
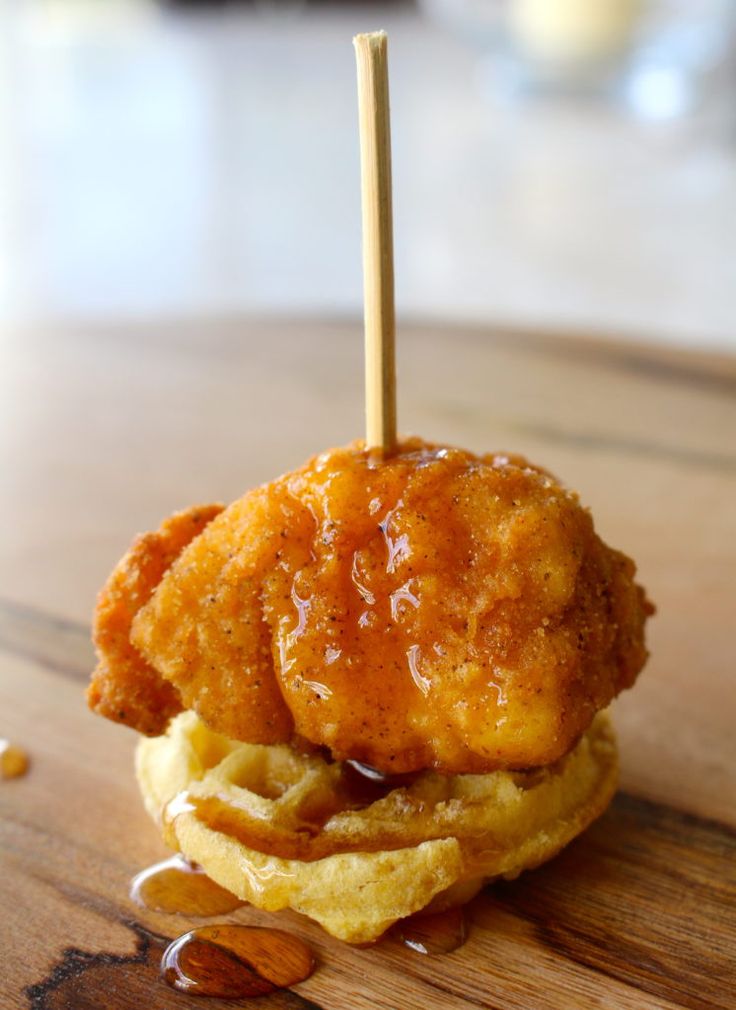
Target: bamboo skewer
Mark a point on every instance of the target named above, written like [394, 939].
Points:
[378, 253]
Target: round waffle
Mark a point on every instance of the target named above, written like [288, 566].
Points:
[282, 829]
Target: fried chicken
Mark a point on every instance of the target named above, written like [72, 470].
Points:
[436, 609]
[124, 687]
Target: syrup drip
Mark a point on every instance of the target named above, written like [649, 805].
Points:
[14, 761]
[362, 785]
[438, 933]
[179, 804]
[235, 961]
[179, 887]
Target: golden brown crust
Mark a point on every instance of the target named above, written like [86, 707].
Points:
[205, 630]
[124, 687]
[437, 609]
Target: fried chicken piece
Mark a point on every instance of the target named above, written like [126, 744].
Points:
[124, 687]
[436, 609]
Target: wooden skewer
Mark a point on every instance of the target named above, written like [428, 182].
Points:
[378, 252]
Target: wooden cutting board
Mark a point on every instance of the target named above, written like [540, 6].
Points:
[108, 429]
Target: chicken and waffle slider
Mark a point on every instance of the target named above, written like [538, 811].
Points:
[373, 683]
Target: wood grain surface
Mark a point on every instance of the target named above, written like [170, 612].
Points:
[107, 429]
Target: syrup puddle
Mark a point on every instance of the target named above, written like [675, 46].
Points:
[440, 933]
[179, 887]
[235, 961]
[14, 761]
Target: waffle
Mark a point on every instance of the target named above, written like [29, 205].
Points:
[282, 829]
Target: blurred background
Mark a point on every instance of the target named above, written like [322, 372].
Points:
[566, 164]
[180, 292]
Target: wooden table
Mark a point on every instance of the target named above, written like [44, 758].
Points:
[105, 430]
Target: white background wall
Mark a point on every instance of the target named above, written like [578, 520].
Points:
[155, 162]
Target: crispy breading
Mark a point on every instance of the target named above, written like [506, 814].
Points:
[206, 631]
[124, 687]
[435, 609]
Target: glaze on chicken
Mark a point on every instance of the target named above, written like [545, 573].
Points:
[435, 609]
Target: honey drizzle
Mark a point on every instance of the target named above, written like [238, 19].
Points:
[179, 887]
[235, 961]
[361, 785]
[438, 933]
